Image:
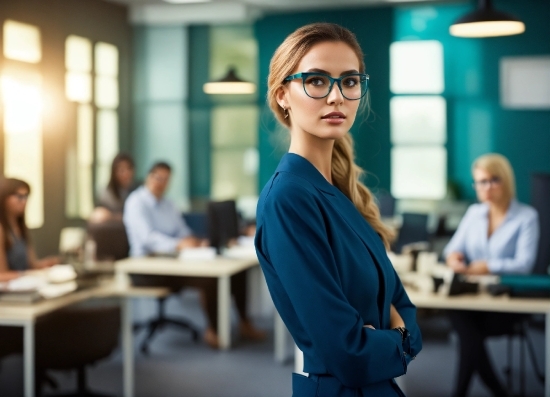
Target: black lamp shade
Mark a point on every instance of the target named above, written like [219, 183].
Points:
[487, 22]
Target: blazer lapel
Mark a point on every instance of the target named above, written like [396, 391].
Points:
[296, 164]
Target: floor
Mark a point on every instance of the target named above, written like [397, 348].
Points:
[178, 367]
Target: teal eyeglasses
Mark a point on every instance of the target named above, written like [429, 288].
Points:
[353, 86]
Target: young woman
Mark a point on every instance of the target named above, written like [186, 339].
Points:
[319, 237]
[121, 184]
[498, 235]
[16, 251]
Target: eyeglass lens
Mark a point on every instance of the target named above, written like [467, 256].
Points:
[485, 183]
[352, 87]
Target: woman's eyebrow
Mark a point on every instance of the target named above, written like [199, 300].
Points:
[316, 70]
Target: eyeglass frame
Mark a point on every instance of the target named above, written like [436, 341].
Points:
[305, 75]
[487, 183]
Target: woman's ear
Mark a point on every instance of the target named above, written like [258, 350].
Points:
[281, 98]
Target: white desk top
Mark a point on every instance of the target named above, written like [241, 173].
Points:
[217, 267]
[22, 313]
[481, 302]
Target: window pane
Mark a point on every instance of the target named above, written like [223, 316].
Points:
[78, 54]
[418, 120]
[106, 92]
[22, 97]
[106, 59]
[107, 145]
[22, 42]
[23, 138]
[85, 158]
[78, 87]
[419, 172]
[229, 179]
[416, 67]
[234, 126]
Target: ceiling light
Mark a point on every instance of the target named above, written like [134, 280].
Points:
[486, 22]
[230, 84]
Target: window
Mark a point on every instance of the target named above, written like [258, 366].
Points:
[418, 123]
[92, 83]
[21, 93]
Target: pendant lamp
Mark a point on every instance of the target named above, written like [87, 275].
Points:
[486, 22]
[230, 84]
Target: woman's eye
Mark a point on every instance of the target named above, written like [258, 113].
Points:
[350, 81]
[316, 81]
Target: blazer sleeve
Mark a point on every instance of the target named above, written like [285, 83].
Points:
[407, 311]
[293, 239]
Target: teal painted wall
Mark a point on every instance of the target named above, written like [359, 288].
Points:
[160, 105]
[199, 113]
[374, 30]
[477, 123]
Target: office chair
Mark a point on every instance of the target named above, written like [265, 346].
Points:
[386, 204]
[540, 197]
[521, 330]
[197, 223]
[414, 229]
[223, 223]
[74, 338]
[111, 240]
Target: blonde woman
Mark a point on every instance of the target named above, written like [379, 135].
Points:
[319, 237]
[499, 235]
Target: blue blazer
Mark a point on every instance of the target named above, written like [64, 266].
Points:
[329, 275]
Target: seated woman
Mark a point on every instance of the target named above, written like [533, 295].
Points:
[16, 251]
[121, 184]
[497, 236]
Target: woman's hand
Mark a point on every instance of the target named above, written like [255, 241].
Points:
[478, 267]
[455, 261]
[395, 318]
[49, 261]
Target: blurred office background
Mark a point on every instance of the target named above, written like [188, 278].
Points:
[84, 80]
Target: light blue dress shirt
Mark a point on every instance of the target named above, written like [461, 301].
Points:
[153, 226]
[512, 248]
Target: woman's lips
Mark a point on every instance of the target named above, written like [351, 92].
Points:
[334, 118]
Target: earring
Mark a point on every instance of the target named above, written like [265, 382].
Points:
[285, 110]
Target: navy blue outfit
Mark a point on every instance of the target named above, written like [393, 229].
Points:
[329, 275]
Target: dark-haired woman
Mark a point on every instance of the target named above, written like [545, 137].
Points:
[16, 251]
[121, 184]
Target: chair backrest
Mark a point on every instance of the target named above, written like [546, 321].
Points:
[198, 222]
[223, 222]
[111, 240]
[414, 229]
[540, 200]
[386, 204]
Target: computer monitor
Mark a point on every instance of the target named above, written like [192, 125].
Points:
[223, 223]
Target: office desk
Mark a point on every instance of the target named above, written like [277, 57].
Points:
[25, 315]
[221, 268]
[486, 302]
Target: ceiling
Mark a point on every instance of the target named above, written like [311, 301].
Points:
[224, 11]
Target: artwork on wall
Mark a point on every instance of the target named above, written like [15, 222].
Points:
[525, 82]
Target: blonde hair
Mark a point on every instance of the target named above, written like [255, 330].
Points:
[498, 166]
[345, 173]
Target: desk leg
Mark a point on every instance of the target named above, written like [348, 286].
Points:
[28, 352]
[127, 347]
[281, 340]
[547, 363]
[224, 312]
